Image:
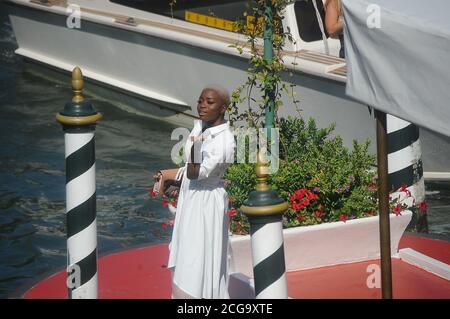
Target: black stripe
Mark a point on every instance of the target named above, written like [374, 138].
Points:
[407, 176]
[269, 270]
[257, 222]
[88, 268]
[400, 139]
[80, 161]
[77, 129]
[81, 216]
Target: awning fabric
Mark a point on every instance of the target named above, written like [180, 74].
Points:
[402, 65]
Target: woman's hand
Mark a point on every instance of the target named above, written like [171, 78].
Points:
[157, 176]
[172, 191]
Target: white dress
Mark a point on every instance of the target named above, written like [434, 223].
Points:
[199, 245]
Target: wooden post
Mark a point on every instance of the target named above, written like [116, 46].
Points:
[383, 197]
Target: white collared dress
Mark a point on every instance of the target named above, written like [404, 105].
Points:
[199, 245]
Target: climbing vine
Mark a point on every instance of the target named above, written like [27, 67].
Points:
[261, 74]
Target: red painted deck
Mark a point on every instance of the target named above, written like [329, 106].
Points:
[142, 273]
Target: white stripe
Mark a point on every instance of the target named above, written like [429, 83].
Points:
[418, 191]
[74, 142]
[265, 241]
[277, 290]
[394, 123]
[87, 291]
[80, 189]
[80, 245]
[405, 157]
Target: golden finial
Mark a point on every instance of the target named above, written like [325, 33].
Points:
[262, 171]
[77, 85]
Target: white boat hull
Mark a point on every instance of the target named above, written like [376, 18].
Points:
[172, 74]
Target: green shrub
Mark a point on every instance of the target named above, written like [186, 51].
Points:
[322, 179]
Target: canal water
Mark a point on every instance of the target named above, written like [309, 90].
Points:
[129, 149]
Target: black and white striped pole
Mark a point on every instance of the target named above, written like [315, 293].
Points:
[264, 210]
[78, 120]
[405, 164]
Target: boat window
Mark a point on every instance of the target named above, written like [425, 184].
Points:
[308, 24]
[220, 14]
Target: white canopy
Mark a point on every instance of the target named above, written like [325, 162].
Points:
[402, 66]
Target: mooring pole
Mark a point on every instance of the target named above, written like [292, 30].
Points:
[78, 120]
[268, 57]
[383, 198]
[405, 167]
[264, 208]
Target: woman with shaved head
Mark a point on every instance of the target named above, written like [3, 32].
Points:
[199, 245]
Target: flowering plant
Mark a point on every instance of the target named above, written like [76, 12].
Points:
[166, 200]
[322, 179]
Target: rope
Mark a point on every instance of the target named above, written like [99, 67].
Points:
[322, 29]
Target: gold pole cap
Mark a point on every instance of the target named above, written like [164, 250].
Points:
[78, 112]
[77, 85]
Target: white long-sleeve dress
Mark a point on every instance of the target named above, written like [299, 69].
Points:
[199, 245]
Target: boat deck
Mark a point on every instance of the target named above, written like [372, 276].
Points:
[142, 273]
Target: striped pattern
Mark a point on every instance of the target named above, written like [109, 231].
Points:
[268, 257]
[81, 212]
[405, 159]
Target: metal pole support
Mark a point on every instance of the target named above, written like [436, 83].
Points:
[383, 197]
[78, 120]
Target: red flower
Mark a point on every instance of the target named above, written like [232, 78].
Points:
[153, 193]
[296, 206]
[423, 206]
[404, 189]
[232, 212]
[305, 202]
[343, 218]
[165, 203]
[164, 225]
[318, 214]
[397, 210]
[301, 217]
[302, 198]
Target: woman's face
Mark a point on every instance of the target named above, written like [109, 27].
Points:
[210, 106]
